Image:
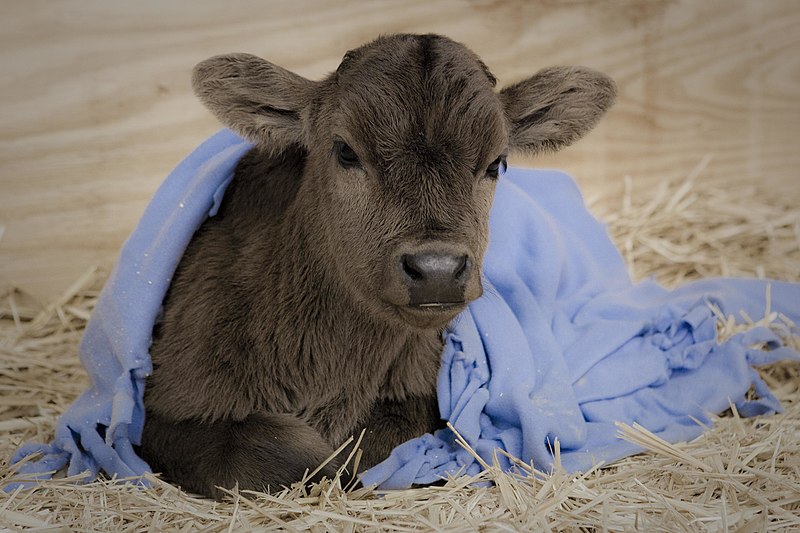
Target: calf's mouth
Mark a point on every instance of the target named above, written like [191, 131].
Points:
[430, 315]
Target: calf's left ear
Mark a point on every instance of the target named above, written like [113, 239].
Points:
[555, 107]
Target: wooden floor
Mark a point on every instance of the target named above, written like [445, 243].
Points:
[96, 106]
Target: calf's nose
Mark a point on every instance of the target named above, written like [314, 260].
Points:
[435, 278]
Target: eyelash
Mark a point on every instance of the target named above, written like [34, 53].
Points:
[345, 155]
[497, 168]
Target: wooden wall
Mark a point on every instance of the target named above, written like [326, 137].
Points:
[96, 106]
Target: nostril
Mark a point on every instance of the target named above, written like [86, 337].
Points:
[410, 270]
[462, 267]
[435, 268]
[434, 277]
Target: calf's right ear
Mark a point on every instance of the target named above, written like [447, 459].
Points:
[262, 102]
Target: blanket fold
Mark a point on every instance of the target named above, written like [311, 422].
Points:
[561, 346]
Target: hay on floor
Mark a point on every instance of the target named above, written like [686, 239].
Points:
[742, 475]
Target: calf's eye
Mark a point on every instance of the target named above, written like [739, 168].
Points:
[346, 156]
[497, 167]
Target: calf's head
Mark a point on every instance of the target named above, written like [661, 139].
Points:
[404, 143]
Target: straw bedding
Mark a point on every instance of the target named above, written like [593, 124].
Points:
[743, 475]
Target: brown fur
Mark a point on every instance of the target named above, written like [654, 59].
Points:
[289, 324]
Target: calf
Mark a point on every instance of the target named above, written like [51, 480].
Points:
[312, 305]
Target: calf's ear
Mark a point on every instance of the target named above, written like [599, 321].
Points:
[555, 107]
[262, 102]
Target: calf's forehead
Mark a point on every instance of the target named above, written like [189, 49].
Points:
[423, 100]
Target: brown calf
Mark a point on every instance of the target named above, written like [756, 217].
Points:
[312, 305]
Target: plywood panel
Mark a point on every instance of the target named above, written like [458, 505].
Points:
[96, 106]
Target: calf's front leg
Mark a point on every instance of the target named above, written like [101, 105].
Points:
[261, 452]
[392, 422]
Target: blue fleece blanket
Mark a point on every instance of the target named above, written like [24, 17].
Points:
[561, 346]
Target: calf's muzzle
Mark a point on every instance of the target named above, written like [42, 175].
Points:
[435, 277]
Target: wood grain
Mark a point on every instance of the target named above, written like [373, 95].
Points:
[96, 106]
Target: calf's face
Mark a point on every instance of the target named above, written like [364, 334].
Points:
[404, 144]
[415, 140]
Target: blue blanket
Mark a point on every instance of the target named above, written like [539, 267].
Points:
[561, 346]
